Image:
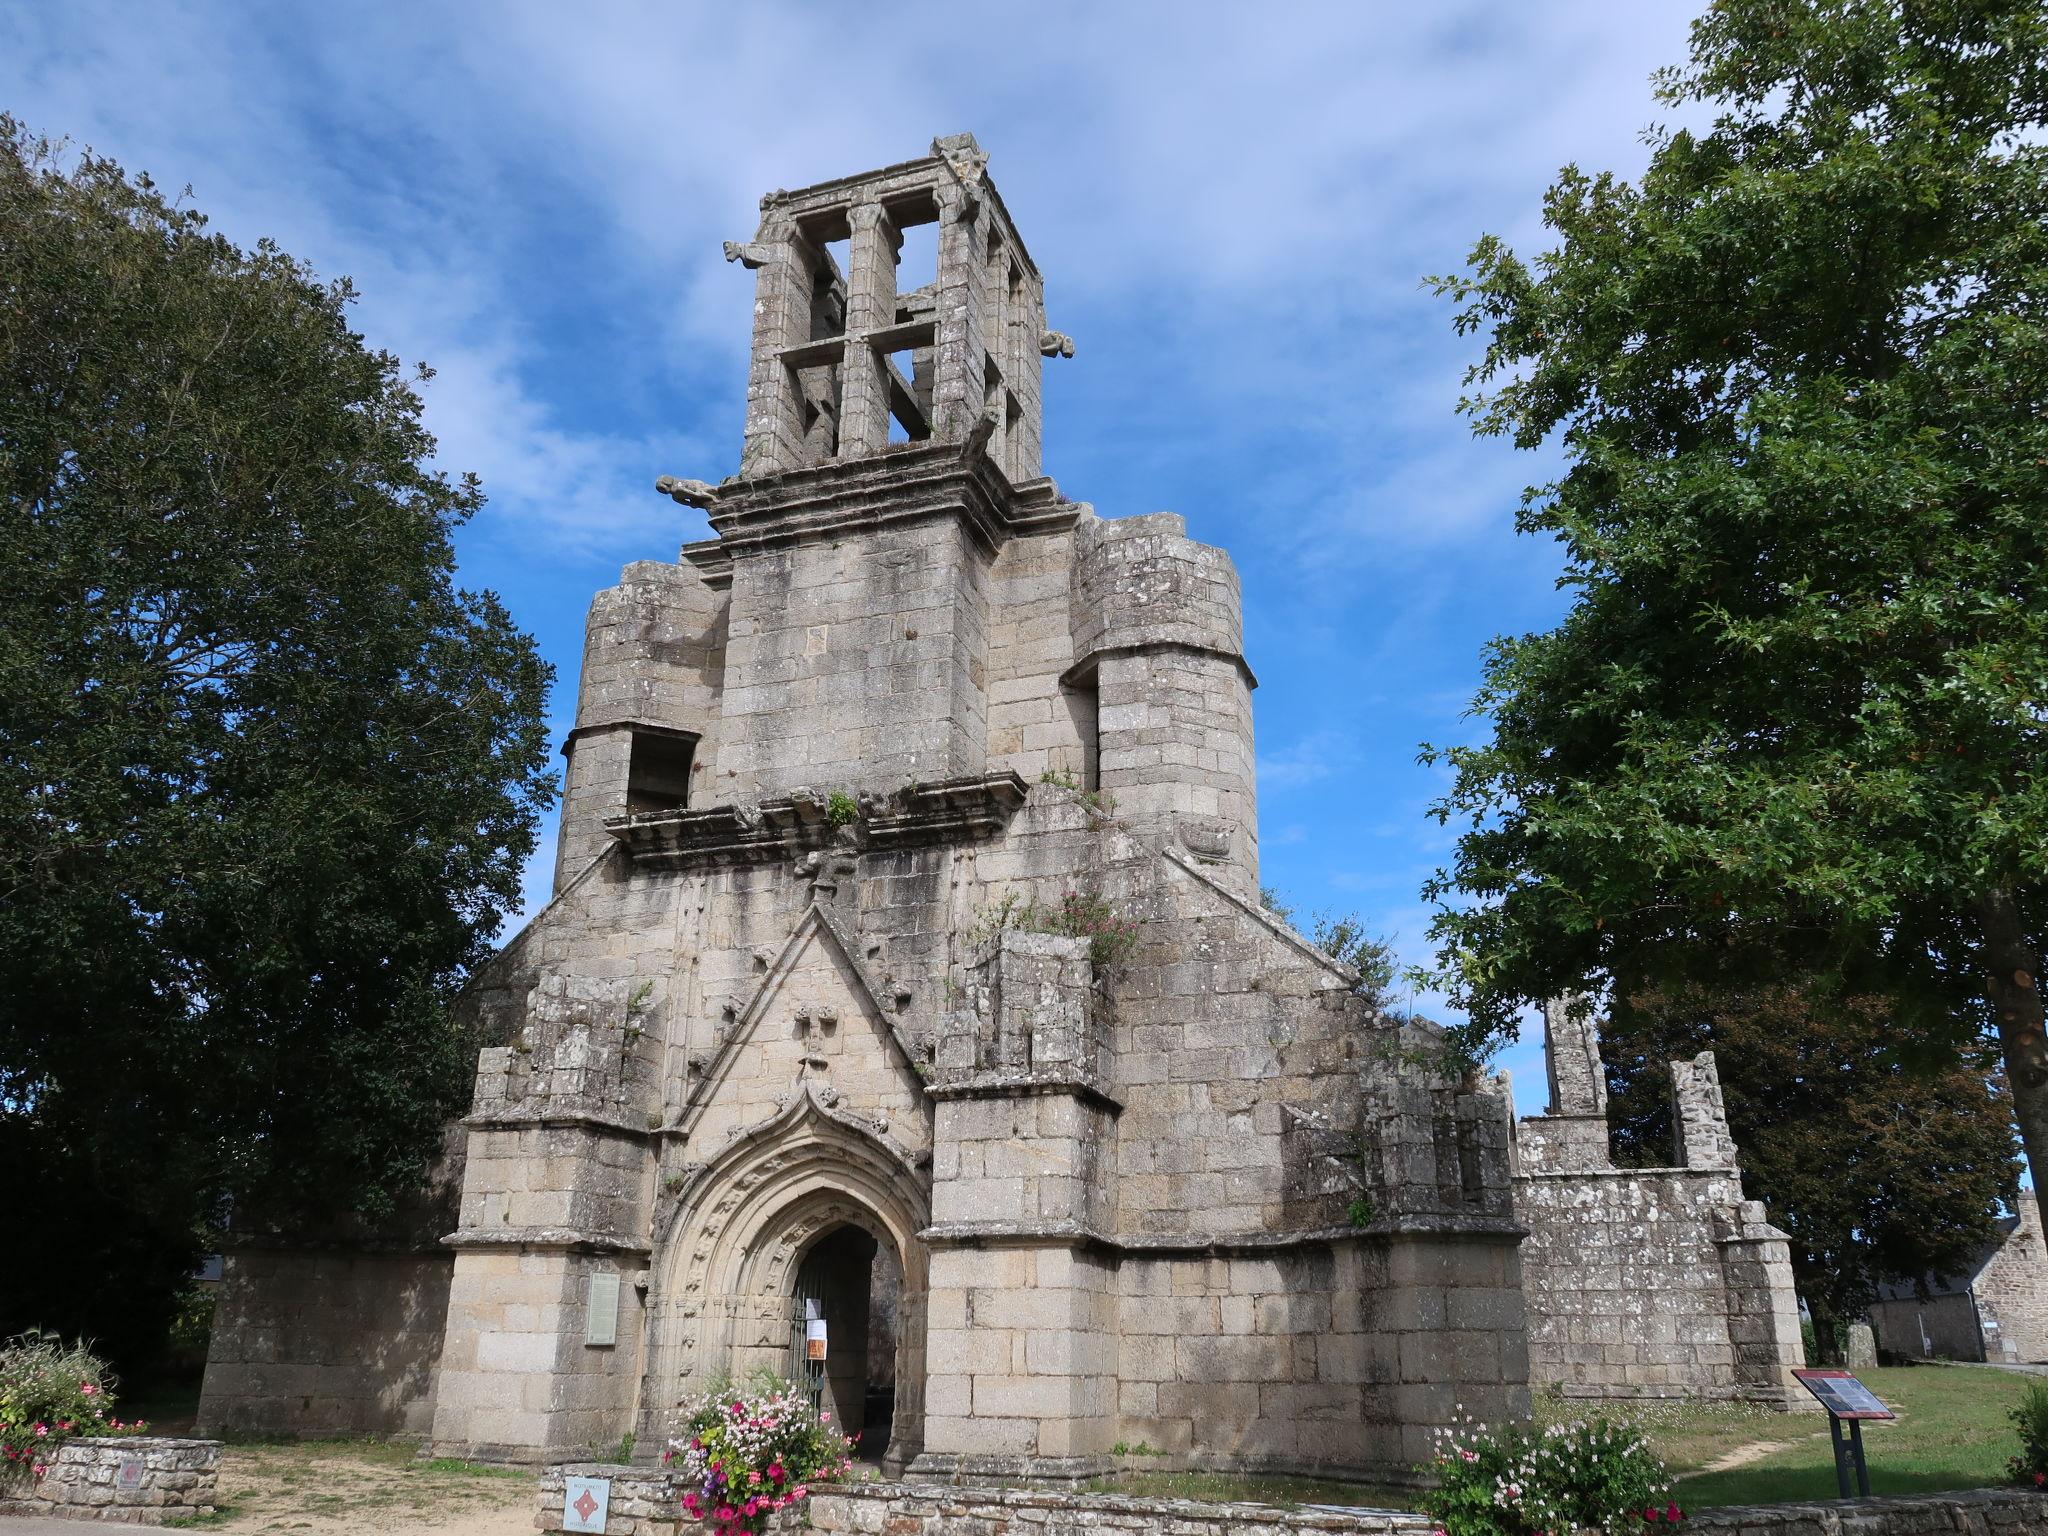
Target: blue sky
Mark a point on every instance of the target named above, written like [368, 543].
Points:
[1233, 206]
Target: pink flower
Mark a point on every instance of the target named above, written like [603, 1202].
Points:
[42, 1430]
[1672, 1512]
[776, 1472]
[87, 1388]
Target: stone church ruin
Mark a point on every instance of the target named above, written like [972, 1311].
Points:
[905, 969]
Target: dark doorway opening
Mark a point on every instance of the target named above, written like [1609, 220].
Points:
[856, 1285]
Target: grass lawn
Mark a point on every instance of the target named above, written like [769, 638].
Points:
[1951, 1433]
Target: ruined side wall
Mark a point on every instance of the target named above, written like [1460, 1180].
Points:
[324, 1342]
[2012, 1293]
[1623, 1270]
[337, 1330]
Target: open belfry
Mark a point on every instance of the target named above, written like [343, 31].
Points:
[906, 974]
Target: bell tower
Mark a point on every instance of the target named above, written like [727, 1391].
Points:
[846, 360]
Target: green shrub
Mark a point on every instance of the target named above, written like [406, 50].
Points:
[1074, 916]
[841, 808]
[2030, 1418]
[1522, 1482]
[51, 1392]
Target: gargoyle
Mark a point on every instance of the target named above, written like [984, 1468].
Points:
[1056, 344]
[691, 493]
[751, 254]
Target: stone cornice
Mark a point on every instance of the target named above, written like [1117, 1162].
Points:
[907, 483]
[566, 1239]
[789, 826]
[1399, 1229]
[547, 1117]
[1024, 1083]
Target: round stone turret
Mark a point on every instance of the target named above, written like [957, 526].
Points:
[1158, 626]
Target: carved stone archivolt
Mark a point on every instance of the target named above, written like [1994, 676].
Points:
[728, 1249]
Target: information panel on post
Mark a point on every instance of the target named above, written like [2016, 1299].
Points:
[1848, 1402]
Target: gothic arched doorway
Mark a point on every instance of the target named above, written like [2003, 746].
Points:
[813, 1202]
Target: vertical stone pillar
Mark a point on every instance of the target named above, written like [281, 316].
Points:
[1571, 1136]
[960, 361]
[1763, 1307]
[1021, 1336]
[870, 305]
[1025, 373]
[1699, 1122]
[783, 280]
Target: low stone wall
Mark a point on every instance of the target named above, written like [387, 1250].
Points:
[645, 1502]
[1978, 1512]
[134, 1479]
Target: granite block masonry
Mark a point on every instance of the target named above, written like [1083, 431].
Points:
[905, 972]
[123, 1479]
[1648, 1282]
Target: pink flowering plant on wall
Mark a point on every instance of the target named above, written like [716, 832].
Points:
[1520, 1481]
[745, 1454]
[51, 1392]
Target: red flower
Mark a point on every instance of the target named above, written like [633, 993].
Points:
[1672, 1512]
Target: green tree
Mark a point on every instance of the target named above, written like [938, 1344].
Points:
[1796, 375]
[267, 776]
[1880, 1168]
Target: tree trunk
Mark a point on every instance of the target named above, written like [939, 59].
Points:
[2012, 982]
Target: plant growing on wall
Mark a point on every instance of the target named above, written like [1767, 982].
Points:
[749, 1453]
[1075, 916]
[51, 1392]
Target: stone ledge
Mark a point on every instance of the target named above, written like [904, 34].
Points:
[565, 1238]
[1022, 1082]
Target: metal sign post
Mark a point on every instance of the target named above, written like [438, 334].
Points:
[1849, 1402]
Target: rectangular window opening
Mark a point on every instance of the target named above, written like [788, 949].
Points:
[658, 777]
[828, 290]
[917, 263]
[910, 395]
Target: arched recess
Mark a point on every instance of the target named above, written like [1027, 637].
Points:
[728, 1249]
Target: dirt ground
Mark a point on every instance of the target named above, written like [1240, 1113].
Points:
[332, 1488]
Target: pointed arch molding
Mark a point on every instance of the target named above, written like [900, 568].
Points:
[728, 1248]
[815, 922]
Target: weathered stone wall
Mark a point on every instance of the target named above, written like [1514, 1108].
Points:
[131, 1480]
[326, 1342]
[1647, 1282]
[337, 1330]
[1939, 1328]
[2012, 1292]
[860, 662]
[646, 1504]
